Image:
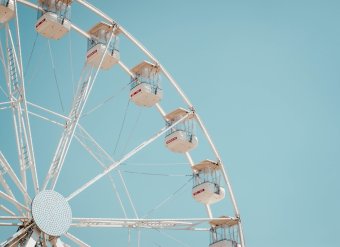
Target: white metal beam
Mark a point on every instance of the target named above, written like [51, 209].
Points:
[8, 190]
[174, 224]
[13, 201]
[16, 90]
[76, 240]
[114, 165]
[86, 83]
[104, 159]
[2, 207]
[8, 169]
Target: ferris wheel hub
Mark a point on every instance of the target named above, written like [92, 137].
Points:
[52, 213]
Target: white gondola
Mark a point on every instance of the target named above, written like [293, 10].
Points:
[54, 21]
[6, 10]
[206, 188]
[180, 138]
[223, 233]
[97, 45]
[145, 85]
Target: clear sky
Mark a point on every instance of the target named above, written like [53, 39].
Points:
[264, 76]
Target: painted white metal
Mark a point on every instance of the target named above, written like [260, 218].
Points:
[126, 157]
[46, 119]
[86, 83]
[26, 122]
[16, 90]
[175, 224]
[76, 240]
[8, 169]
[7, 210]
[13, 218]
[47, 110]
[13, 201]
[8, 190]
[6, 11]
[101, 156]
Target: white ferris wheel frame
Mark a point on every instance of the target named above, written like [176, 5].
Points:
[22, 128]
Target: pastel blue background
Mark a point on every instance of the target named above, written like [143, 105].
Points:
[264, 75]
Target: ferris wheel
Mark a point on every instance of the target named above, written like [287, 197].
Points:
[37, 209]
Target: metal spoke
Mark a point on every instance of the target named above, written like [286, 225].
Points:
[47, 110]
[104, 159]
[46, 119]
[13, 218]
[26, 123]
[97, 157]
[13, 201]
[8, 169]
[114, 165]
[86, 83]
[76, 240]
[16, 91]
[2, 207]
[171, 224]
[8, 190]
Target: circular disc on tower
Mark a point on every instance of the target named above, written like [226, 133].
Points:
[52, 213]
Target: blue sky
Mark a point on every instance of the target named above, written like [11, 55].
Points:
[264, 76]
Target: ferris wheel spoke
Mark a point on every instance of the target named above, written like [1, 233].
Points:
[8, 211]
[86, 83]
[170, 224]
[13, 201]
[30, 160]
[130, 223]
[114, 165]
[46, 119]
[8, 190]
[47, 110]
[76, 240]
[13, 218]
[101, 157]
[104, 159]
[16, 93]
[6, 168]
